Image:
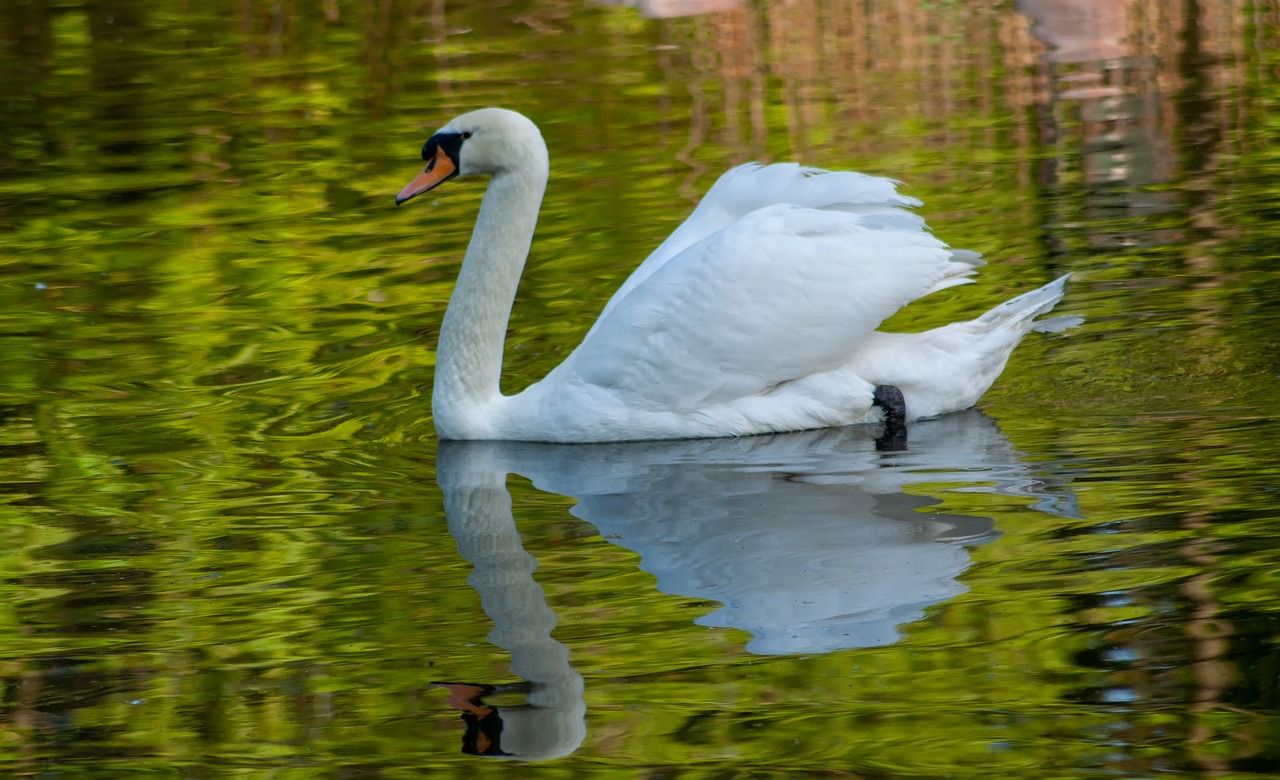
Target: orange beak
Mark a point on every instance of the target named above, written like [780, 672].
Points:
[439, 170]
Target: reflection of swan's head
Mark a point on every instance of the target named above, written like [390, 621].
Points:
[489, 141]
[536, 734]
[550, 725]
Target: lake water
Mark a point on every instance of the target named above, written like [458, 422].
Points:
[232, 546]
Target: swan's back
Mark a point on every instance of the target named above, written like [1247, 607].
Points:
[721, 330]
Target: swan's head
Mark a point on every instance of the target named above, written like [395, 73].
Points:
[489, 141]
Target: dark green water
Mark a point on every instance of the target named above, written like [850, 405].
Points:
[225, 546]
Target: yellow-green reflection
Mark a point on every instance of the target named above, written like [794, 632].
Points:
[226, 553]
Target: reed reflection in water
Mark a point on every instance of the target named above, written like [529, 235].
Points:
[810, 540]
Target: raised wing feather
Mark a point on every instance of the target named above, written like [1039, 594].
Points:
[751, 187]
[777, 295]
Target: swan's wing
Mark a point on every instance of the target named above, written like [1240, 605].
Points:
[780, 294]
[751, 187]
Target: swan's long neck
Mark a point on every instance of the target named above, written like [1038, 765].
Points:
[469, 357]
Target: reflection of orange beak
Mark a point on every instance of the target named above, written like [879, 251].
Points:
[466, 697]
[481, 721]
[438, 170]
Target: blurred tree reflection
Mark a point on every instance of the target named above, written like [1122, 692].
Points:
[215, 451]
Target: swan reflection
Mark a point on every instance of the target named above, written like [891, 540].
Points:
[808, 540]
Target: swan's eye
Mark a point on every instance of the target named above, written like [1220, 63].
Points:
[466, 134]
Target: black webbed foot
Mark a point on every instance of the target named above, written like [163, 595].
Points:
[890, 400]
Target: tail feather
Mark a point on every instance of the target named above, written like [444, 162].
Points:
[1029, 306]
[950, 367]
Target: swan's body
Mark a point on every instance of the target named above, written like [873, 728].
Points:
[757, 315]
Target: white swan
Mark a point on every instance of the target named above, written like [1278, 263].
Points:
[757, 315]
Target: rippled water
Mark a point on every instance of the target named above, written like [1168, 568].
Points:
[233, 547]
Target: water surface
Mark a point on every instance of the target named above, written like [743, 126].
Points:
[233, 546]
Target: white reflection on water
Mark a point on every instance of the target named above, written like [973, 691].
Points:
[550, 722]
[809, 540]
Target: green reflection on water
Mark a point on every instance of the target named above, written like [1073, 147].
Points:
[226, 553]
